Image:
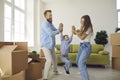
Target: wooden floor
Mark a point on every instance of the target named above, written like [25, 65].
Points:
[95, 73]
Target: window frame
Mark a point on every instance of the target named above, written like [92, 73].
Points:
[13, 8]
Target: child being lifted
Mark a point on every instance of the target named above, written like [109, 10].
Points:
[64, 49]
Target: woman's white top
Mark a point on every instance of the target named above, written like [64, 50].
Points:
[89, 35]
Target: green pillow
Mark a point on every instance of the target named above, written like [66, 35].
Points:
[103, 52]
[96, 48]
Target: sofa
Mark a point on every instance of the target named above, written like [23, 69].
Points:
[98, 55]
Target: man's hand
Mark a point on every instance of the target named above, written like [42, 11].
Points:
[73, 30]
[61, 27]
[73, 27]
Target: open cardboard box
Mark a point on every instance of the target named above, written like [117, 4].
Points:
[13, 57]
[18, 76]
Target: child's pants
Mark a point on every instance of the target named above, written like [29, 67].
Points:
[83, 54]
[67, 62]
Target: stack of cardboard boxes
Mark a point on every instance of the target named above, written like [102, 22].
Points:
[115, 41]
[13, 60]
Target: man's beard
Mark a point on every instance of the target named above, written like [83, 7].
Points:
[49, 20]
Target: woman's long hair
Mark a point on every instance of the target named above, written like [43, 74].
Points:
[87, 24]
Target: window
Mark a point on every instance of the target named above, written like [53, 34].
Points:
[7, 23]
[19, 25]
[14, 20]
[118, 10]
[15, 28]
[20, 4]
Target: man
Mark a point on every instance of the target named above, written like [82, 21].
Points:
[48, 32]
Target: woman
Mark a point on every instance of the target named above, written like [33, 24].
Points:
[84, 33]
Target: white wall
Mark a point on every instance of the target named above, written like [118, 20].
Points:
[38, 19]
[30, 22]
[42, 8]
[36, 25]
[102, 12]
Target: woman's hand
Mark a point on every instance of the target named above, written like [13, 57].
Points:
[73, 30]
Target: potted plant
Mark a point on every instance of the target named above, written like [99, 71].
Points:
[34, 52]
[34, 56]
[117, 30]
[101, 37]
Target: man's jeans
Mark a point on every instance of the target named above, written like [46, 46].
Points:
[83, 54]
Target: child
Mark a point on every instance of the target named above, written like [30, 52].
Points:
[65, 47]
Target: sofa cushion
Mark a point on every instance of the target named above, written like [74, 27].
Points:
[58, 46]
[96, 48]
[103, 52]
[57, 51]
[75, 48]
[70, 48]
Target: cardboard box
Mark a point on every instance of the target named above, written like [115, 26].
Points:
[0, 77]
[115, 39]
[13, 58]
[18, 76]
[116, 63]
[6, 43]
[21, 46]
[35, 57]
[41, 53]
[34, 71]
[116, 51]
